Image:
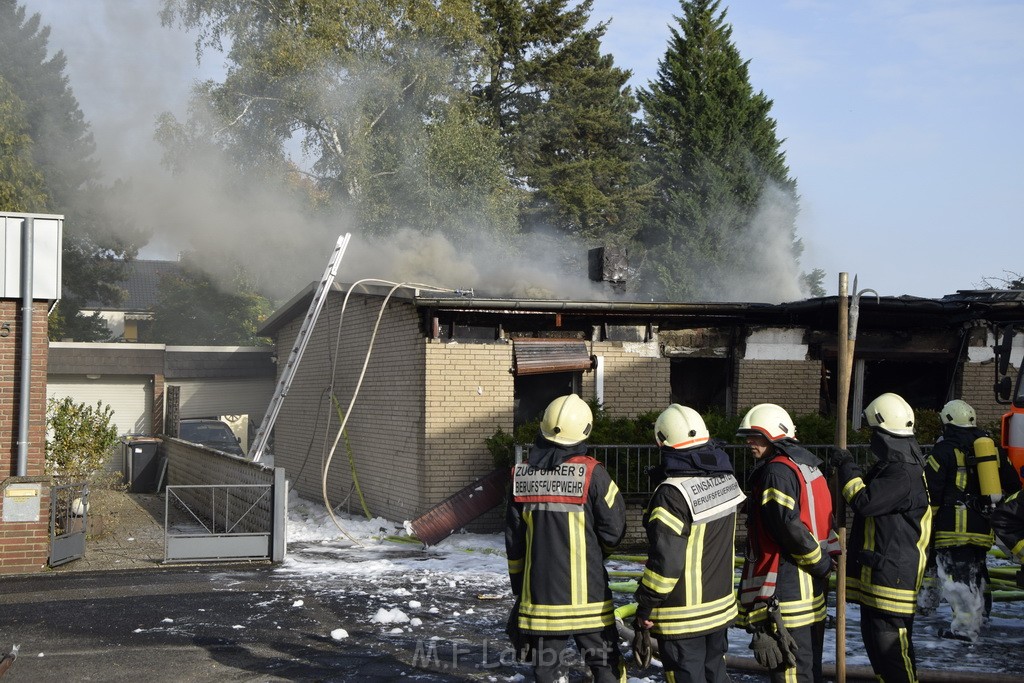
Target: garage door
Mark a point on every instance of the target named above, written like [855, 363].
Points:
[130, 397]
[213, 397]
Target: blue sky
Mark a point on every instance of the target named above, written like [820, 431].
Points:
[901, 118]
[902, 127]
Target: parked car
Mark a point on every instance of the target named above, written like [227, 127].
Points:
[210, 433]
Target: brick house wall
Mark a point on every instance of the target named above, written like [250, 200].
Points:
[469, 396]
[385, 430]
[976, 388]
[793, 384]
[24, 545]
[636, 537]
[637, 378]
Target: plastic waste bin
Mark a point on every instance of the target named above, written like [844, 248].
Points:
[142, 461]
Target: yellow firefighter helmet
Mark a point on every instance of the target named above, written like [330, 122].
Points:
[567, 420]
[680, 427]
[769, 420]
[959, 414]
[890, 413]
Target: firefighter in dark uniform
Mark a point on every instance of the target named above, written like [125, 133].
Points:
[961, 530]
[791, 546]
[888, 546]
[565, 515]
[686, 596]
[1008, 524]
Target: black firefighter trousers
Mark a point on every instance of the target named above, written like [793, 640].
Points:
[700, 659]
[599, 651]
[888, 640]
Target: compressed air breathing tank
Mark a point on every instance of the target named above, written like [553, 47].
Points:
[986, 462]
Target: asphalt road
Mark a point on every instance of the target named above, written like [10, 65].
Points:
[189, 624]
[122, 615]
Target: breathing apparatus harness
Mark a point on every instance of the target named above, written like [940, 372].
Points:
[977, 455]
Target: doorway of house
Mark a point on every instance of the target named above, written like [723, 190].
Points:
[533, 393]
[701, 383]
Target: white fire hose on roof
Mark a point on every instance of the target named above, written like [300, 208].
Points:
[362, 373]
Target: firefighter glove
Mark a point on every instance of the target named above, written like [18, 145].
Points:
[515, 635]
[787, 644]
[823, 567]
[642, 648]
[980, 504]
[840, 459]
[766, 650]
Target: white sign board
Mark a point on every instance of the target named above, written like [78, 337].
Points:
[48, 236]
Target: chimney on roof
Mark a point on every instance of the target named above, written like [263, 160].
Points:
[609, 264]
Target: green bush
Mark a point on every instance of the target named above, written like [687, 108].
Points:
[927, 426]
[607, 430]
[502, 448]
[79, 439]
[722, 426]
[811, 429]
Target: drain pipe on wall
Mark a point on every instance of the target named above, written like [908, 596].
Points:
[25, 385]
[599, 379]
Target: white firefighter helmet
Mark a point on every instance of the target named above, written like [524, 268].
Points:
[890, 413]
[959, 414]
[769, 420]
[567, 420]
[680, 427]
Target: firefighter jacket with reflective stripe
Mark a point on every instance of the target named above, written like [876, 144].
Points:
[560, 525]
[687, 586]
[888, 545]
[953, 484]
[1008, 523]
[790, 539]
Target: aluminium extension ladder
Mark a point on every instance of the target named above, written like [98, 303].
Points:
[259, 443]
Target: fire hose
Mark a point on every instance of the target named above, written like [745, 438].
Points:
[355, 392]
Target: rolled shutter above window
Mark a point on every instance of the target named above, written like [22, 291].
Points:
[538, 356]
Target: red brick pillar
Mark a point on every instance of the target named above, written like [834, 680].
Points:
[24, 500]
[158, 404]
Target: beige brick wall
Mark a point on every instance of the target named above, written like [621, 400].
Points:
[637, 379]
[469, 396]
[976, 389]
[385, 430]
[635, 539]
[793, 384]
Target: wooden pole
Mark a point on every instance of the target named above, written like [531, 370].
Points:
[844, 369]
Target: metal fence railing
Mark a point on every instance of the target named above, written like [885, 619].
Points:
[69, 522]
[232, 504]
[629, 463]
[217, 522]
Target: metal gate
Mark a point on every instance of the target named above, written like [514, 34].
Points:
[69, 522]
[218, 522]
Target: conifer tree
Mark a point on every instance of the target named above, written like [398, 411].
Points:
[96, 242]
[725, 202]
[193, 308]
[566, 117]
[21, 185]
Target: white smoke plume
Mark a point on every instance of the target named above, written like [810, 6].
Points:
[768, 271]
[124, 84]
